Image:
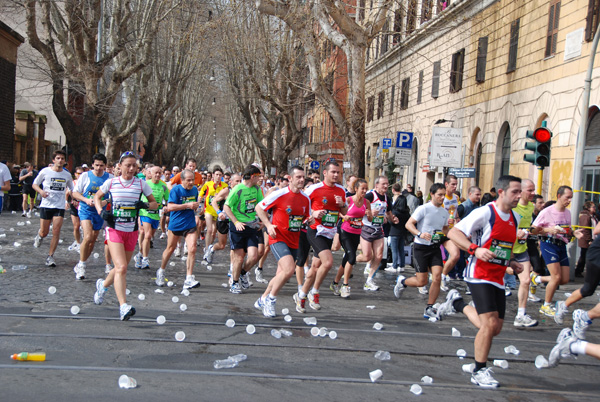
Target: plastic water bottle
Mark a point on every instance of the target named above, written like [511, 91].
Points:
[25, 356]
[226, 363]
[238, 358]
[19, 267]
[382, 355]
[276, 334]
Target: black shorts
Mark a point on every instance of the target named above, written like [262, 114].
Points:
[488, 298]
[244, 239]
[28, 190]
[74, 211]
[183, 233]
[202, 218]
[318, 243]
[303, 249]
[49, 213]
[261, 235]
[223, 227]
[425, 257]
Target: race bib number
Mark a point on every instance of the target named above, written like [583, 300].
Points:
[355, 223]
[57, 184]
[377, 221]
[295, 223]
[124, 213]
[330, 219]
[503, 251]
[250, 205]
[437, 237]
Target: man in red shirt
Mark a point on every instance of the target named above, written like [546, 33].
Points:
[291, 207]
[327, 200]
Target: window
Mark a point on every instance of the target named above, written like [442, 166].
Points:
[552, 34]
[505, 164]
[392, 96]
[370, 108]
[380, 104]
[514, 45]
[397, 26]
[361, 10]
[456, 74]
[481, 59]
[404, 94]
[420, 88]
[435, 82]
[411, 17]
[384, 37]
[426, 9]
[593, 16]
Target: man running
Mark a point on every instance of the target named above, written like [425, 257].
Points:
[85, 189]
[207, 192]
[493, 230]
[55, 181]
[291, 207]
[327, 200]
[183, 203]
[218, 203]
[451, 203]
[27, 176]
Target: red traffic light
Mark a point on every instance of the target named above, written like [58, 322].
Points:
[542, 134]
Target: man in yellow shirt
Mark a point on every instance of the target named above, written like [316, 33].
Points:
[208, 191]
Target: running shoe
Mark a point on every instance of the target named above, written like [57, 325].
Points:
[162, 236]
[300, 303]
[177, 252]
[345, 291]
[269, 307]
[367, 269]
[244, 281]
[525, 321]
[107, 268]
[533, 298]
[37, 241]
[100, 291]
[145, 263]
[335, 288]
[547, 310]
[185, 250]
[484, 378]
[24, 214]
[138, 260]
[50, 261]
[160, 277]
[79, 270]
[391, 270]
[370, 285]
[580, 324]
[447, 307]
[208, 256]
[399, 287]
[561, 309]
[444, 283]
[191, 282]
[533, 284]
[73, 246]
[430, 313]
[249, 279]
[29, 214]
[313, 301]
[258, 274]
[259, 304]
[235, 288]
[562, 349]
[507, 292]
[423, 290]
[127, 312]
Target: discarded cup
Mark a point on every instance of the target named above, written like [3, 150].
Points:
[285, 311]
[12, 229]
[172, 264]
[332, 335]
[209, 267]
[127, 291]
[159, 291]
[17, 244]
[19, 267]
[310, 321]
[250, 329]
[511, 349]
[501, 363]
[426, 380]
[378, 326]
[75, 310]
[183, 307]
[180, 336]
[226, 363]
[375, 375]
[29, 222]
[314, 331]
[127, 382]
[276, 334]
[224, 285]
[20, 223]
[60, 241]
[461, 353]
[3, 235]
[185, 292]
[455, 332]
[96, 255]
[170, 284]
[142, 296]
[175, 299]
[382, 355]
[323, 332]
[287, 318]
[468, 368]
[51, 290]
[160, 320]
[416, 389]
[184, 258]
[230, 323]
[541, 362]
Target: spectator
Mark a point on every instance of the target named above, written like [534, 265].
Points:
[586, 218]
[420, 197]
[486, 199]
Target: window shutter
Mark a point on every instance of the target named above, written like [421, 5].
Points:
[435, 83]
[481, 59]
[392, 96]
[420, 89]
[405, 93]
[514, 45]
[552, 33]
[591, 20]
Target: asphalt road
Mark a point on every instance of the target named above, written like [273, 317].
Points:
[87, 352]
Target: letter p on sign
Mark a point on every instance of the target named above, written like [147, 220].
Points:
[404, 140]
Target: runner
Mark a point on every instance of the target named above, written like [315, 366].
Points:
[290, 208]
[429, 225]
[493, 230]
[451, 202]
[553, 225]
[218, 203]
[303, 246]
[150, 219]
[207, 192]
[190, 165]
[243, 228]
[56, 181]
[183, 203]
[569, 345]
[27, 176]
[73, 207]
[358, 208]
[86, 187]
[327, 200]
[124, 193]
[525, 211]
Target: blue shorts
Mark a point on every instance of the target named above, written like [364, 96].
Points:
[153, 222]
[88, 215]
[244, 239]
[280, 250]
[553, 253]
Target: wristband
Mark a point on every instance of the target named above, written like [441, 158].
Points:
[219, 211]
[419, 235]
[472, 248]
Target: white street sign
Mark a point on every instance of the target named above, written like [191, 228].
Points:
[446, 147]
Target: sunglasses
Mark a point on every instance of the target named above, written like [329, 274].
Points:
[126, 154]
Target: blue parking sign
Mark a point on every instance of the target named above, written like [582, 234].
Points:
[404, 139]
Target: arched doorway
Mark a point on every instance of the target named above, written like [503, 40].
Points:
[502, 160]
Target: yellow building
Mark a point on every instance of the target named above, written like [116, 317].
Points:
[492, 69]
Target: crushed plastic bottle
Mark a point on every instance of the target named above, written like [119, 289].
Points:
[382, 355]
[142, 296]
[416, 389]
[159, 291]
[511, 350]
[226, 363]
[541, 362]
[426, 380]
[287, 318]
[238, 358]
[183, 307]
[75, 310]
[378, 326]
[310, 320]
[230, 323]
[250, 329]
[461, 353]
[375, 375]
[276, 334]
[127, 382]
[455, 333]
[51, 290]
[468, 368]
[160, 320]
[285, 332]
[19, 267]
[180, 336]
[501, 363]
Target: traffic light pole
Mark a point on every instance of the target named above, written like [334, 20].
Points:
[540, 170]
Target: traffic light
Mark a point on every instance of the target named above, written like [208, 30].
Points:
[540, 147]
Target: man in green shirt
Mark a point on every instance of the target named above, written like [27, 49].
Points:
[150, 218]
[525, 210]
[243, 225]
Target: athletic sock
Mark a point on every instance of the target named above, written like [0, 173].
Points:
[547, 304]
[521, 311]
[459, 305]
[578, 347]
[585, 316]
[272, 297]
[479, 366]
[314, 291]
[301, 294]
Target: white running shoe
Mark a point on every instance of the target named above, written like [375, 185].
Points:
[444, 283]
[244, 283]
[162, 236]
[423, 290]
[484, 378]
[313, 301]
[269, 307]
[258, 273]
[525, 321]
[145, 263]
[138, 260]
[391, 270]
[29, 214]
[107, 268]
[580, 324]
[533, 298]
[50, 261]
[160, 277]
[208, 256]
[447, 307]
[73, 246]
[561, 310]
[345, 291]
[370, 285]
[562, 349]
[126, 312]
[177, 252]
[367, 270]
[79, 270]
[37, 241]
[100, 291]
[191, 282]
[399, 287]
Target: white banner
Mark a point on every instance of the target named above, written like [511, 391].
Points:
[446, 147]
